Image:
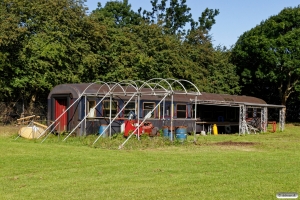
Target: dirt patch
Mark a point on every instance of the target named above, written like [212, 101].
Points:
[231, 143]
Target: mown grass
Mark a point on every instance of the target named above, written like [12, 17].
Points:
[212, 167]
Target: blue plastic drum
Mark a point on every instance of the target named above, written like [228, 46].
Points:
[101, 130]
[181, 133]
[181, 137]
[181, 130]
[166, 131]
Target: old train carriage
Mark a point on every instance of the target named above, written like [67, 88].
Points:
[83, 108]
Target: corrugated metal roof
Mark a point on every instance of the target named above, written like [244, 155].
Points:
[226, 98]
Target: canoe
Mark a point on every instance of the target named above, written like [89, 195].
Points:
[31, 132]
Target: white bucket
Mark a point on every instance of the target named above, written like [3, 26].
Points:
[203, 133]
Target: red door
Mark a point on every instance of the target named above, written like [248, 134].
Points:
[60, 108]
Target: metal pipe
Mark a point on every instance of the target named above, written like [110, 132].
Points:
[137, 128]
[195, 119]
[172, 115]
[113, 119]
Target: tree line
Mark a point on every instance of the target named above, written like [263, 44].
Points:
[46, 43]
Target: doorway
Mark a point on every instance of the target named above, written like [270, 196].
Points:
[60, 108]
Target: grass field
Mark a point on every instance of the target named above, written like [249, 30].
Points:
[214, 167]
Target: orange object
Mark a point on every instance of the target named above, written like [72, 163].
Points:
[273, 126]
[147, 127]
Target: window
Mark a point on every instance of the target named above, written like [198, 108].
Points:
[167, 110]
[181, 111]
[130, 107]
[106, 108]
[147, 108]
[91, 108]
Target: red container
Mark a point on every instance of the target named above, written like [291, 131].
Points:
[147, 128]
[130, 127]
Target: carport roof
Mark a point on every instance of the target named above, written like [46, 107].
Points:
[233, 100]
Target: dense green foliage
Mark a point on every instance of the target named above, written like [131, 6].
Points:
[45, 43]
[268, 57]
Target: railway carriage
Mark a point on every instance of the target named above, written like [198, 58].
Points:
[84, 107]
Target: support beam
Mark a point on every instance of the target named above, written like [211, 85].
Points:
[281, 119]
[264, 119]
[242, 120]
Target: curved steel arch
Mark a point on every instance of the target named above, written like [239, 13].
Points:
[120, 86]
[129, 83]
[161, 79]
[137, 90]
[172, 83]
[108, 93]
[179, 82]
[138, 85]
[133, 84]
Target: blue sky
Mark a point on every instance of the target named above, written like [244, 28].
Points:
[236, 16]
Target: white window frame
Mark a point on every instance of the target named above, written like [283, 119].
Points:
[91, 108]
[145, 114]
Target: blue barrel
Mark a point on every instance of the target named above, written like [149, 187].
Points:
[181, 130]
[166, 131]
[181, 137]
[181, 133]
[101, 130]
[171, 135]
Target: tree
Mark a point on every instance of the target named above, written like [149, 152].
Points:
[222, 76]
[146, 50]
[173, 18]
[53, 42]
[206, 21]
[143, 52]
[218, 74]
[10, 45]
[268, 57]
[119, 11]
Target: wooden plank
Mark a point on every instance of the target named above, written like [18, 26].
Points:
[41, 125]
[24, 118]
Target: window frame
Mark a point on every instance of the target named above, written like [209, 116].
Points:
[114, 108]
[89, 108]
[143, 108]
[185, 111]
[124, 111]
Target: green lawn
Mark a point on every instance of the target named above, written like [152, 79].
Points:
[215, 167]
